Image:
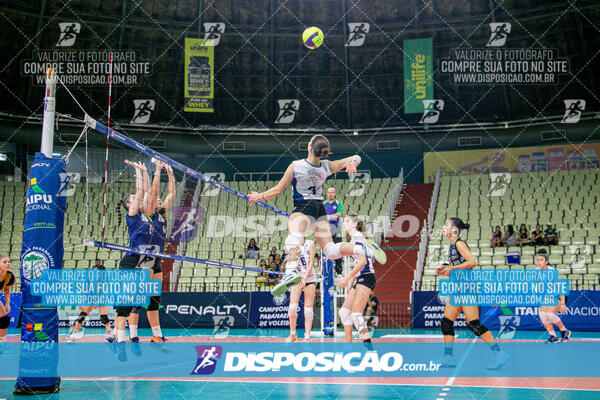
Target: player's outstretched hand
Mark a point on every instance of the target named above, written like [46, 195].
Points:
[254, 197]
[351, 168]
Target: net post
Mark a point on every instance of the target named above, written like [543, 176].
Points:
[49, 113]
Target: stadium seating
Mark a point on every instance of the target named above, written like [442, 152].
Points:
[228, 248]
[567, 199]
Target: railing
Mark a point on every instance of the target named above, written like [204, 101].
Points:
[427, 227]
[394, 315]
[389, 213]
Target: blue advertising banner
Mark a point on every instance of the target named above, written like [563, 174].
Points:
[213, 310]
[267, 311]
[42, 249]
[428, 310]
[15, 308]
[583, 314]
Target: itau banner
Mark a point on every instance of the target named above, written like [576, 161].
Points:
[42, 249]
[418, 74]
[199, 76]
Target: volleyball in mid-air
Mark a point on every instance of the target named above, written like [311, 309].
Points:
[312, 37]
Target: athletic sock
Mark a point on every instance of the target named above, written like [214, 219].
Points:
[133, 331]
[156, 331]
[120, 335]
[495, 347]
[293, 332]
[449, 349]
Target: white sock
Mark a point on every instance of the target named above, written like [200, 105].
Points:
[132, 331]
[293, 332]
[120, 335]
[156, 331]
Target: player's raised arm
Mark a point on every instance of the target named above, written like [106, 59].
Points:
[276, 190]
[349, 163]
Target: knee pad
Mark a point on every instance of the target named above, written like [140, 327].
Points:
[345, 316]
[544, 317]
[154, 303]
[332, 251]
[123, 311]
[81, 318]
[477, 328]
[308, 313]
[553, 318]
[359, 321]
[447, 327]
[293, 240]
[293, 310]
[104, 319]
[4, 322]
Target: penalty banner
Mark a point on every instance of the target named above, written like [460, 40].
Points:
[199, 76]
[42, 249]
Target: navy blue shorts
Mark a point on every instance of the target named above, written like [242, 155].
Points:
[311, 208]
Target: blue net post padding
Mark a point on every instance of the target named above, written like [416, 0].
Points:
[42, 249]
[328, 291]
[92, 123]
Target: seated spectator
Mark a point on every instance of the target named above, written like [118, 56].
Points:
[273, 251]
[371, 311]
[278, 260]
[537, 236]
[550, 235]
[510, 237]
[262, 276]
[251, 251]
[273, 279]
[497, 237]
[99, 264]
[524, 238]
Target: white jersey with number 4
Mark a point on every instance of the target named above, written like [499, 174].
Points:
[308, 180]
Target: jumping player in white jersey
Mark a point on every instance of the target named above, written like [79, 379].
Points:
[307, 177]
[363, 278]
[306, 270]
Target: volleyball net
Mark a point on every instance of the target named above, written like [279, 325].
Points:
[208, 221]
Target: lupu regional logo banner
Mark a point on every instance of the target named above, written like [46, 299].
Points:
[518, 159]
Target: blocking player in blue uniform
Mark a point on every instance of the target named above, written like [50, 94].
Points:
[158, 239]
[139, 228]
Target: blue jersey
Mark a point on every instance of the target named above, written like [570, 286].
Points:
[159, 231]
[139, 228]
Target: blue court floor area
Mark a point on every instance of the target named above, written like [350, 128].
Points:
[109, 390]
[261, 389]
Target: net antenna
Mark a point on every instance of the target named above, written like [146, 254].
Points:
[49, 113]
